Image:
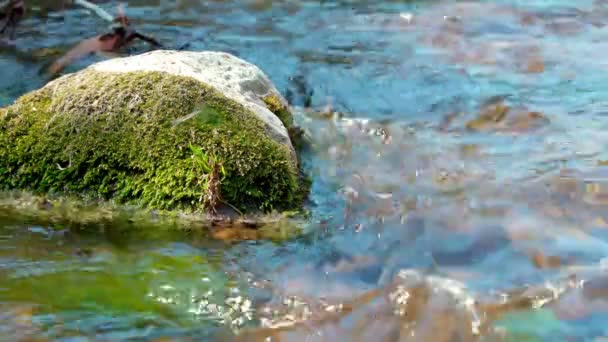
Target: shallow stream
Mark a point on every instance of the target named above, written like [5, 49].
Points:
[460, 182]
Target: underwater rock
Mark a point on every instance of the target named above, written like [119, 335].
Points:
[500, 117]
[585, 186]
[164, 130]
[413, 307]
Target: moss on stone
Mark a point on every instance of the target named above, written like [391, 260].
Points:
[18, 207]
[274, 104]
[126, 136]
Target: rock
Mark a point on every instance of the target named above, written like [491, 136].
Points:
[232, 77]
[498, 116]
[159, 130]
[585, 186]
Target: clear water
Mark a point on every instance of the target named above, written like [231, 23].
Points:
[419, 230]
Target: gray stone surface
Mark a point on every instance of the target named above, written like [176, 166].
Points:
[237, 79]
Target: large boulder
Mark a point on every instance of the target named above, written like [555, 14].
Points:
[159, 130]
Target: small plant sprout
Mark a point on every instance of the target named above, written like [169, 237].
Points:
[211, 174]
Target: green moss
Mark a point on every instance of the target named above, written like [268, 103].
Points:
[274, 104]
[126, 137]
[111, 289]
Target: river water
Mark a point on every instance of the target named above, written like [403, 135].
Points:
[459, 188]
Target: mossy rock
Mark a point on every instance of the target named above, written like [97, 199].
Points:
[125, 130]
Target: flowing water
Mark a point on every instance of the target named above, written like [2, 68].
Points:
[459, 188]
